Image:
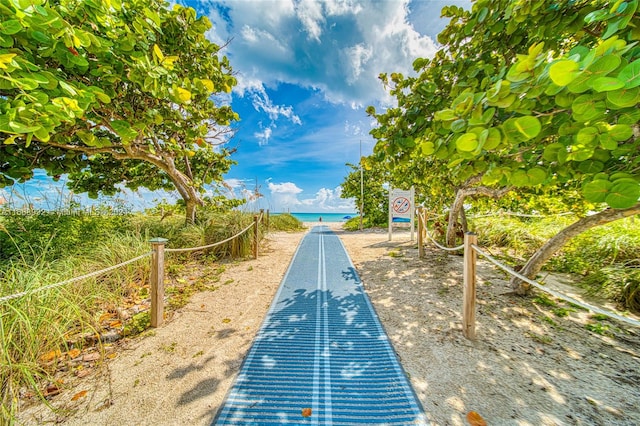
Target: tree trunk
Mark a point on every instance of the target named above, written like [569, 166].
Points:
[191, 207]
[544, 253]
[457, 208]
[454, 212]
[463, 221]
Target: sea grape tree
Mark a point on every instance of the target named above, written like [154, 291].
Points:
[113, 92]
[526, 95]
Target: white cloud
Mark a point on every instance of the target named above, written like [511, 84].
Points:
[345, 45]
[288, 188]
[287, 196]
[263, 136]
[262, 102]
[310, 14]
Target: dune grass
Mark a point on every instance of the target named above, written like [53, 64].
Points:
[605, 257]
[41, 330]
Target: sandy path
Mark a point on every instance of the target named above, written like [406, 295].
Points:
[527, 366]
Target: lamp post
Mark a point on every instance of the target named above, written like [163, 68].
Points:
[361, 187]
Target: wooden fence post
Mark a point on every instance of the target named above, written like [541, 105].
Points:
[157, 281]
[255, 237]
[420, 233]
[268, 219]
[469, 291]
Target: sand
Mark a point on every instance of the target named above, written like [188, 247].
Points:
[527, 366]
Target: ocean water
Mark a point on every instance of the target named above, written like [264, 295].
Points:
[326, 217]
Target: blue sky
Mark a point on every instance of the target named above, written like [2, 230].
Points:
[306, 71]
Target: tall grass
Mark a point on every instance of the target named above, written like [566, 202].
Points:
[37, 331]
[606, 256]
[225, 226]
[284, 222]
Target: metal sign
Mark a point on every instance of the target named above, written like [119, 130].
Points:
[401, 208]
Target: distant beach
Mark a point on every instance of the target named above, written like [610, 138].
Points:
[326, 217]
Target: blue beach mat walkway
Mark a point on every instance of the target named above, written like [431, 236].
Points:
[321, 347]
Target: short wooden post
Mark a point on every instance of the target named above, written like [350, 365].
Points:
[268, 219]
[469, 291]
[262, 218]
[420, 233]
[255, 236]
[157, 281]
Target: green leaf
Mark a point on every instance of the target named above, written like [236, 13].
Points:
[621, 132]
[124, 130]
[40, 37]
[612, 28]
[71, 91]
[87, 137]
[183, 94]
[603, 66]
[587, 107]
[467, 142]
[522, 129]
[623, 195]
[607, 142]
[580, 152]
[528, 126]
[551, 151]
[459, 125]
[463, 103]
[564, 99]
[591, 166]
[563, 72]
[536, 176]
[620, 175]
[630, 75]
[27, 84]
[606, 84]
[427, 148]
[445, 115]
[586, 135]
[454, 162]
[18, 127]
[519, 178]
[623, 98]
[10, 27]
[596, 191]
[493, 138]
[580, 84]
[42, 134]
[595, 16]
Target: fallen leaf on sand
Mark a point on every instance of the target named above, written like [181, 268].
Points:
[79, 395]
[475, 419]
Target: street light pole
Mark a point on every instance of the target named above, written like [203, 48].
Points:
[361, 187]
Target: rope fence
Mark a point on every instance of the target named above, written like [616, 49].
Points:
[422, 225]
[553, 292]
[189, 249]
[157, 269]
[471, 248]
[73, 280]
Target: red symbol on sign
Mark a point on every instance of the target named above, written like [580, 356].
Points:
[401, 205]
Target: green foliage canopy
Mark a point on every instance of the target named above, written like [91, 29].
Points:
[524, 94]
[375, 203]
[112, 91]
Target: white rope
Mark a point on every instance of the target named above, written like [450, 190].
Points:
[424, 221]
[501, 213]
[111, 268]
[555, 293]
[181, 250]
[71, 280]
